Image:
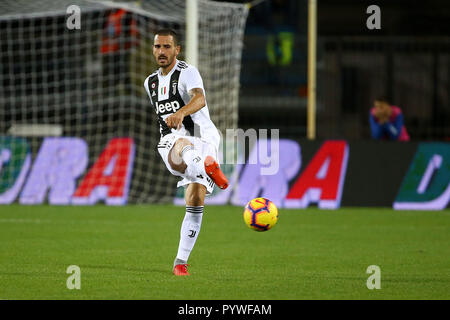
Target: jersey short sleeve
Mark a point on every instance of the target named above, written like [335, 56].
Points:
[190, 79]
[148, 90]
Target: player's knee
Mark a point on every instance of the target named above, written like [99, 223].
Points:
[180, 144]
[175, 159]
[177, 163]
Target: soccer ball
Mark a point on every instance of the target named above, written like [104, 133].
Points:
[260, 214]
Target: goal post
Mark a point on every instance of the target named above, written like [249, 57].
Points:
[88, 84]
[192, 32]
[312, 56]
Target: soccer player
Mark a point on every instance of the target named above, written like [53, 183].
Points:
[386, 121]
[177, 95]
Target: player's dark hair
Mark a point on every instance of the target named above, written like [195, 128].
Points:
[383, 99]
[169, 32]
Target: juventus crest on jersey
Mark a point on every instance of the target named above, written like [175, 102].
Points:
[168, 93]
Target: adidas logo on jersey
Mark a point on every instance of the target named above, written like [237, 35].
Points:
[163, 108]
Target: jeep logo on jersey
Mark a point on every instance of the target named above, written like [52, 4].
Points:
[167, 107]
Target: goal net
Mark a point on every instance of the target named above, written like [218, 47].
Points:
[76, 125]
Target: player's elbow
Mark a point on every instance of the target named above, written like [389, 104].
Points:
[376, 135]
[200, 97]
[199, 104]
[201, 101]
[375, 132]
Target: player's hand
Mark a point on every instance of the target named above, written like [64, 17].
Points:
[381, 116]
[385, 116]
[175, 120]
[382, 119]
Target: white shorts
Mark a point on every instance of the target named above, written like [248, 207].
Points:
[204, 148]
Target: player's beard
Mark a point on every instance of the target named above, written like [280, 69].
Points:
[168, 61]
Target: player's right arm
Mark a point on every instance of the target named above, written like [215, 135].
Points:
[194, 86]
[375, 128]
[197, 102]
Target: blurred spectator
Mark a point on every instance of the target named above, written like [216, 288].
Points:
[386, 121]
[278, 19]
[120, 34]
[281, 25]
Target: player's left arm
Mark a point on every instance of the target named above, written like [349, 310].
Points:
[197, 102]
[394, 128]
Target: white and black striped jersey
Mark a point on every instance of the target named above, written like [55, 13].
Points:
[170, 92]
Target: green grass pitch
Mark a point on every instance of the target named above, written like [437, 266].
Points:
[127, 253]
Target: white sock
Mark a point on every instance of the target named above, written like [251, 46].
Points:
[190, 229]
[193, 160]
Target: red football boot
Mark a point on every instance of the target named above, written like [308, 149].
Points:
[213, 171]
[181, 270]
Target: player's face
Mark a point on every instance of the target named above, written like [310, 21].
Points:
[165, 51]
[382, 107]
